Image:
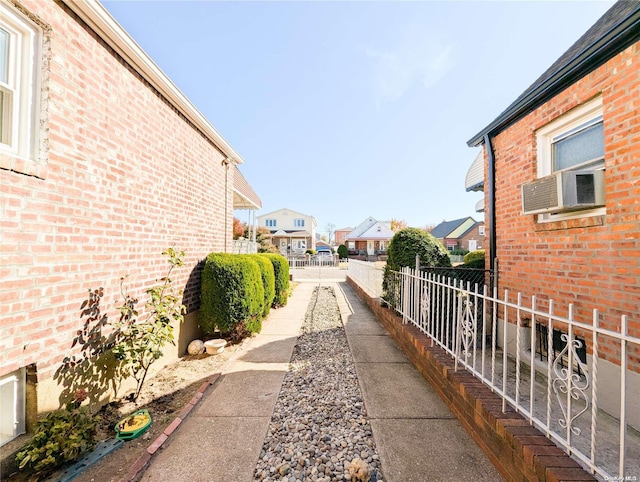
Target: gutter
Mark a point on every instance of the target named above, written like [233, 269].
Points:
[108, 29]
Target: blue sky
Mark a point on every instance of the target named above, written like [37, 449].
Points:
[344, 110]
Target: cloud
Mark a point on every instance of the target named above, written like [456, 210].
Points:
[418, 58]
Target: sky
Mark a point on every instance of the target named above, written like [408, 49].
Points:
[345, 110]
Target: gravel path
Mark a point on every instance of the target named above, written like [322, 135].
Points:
[319, 430]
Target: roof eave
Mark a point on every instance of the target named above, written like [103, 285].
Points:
[618, 38]
[108, 29]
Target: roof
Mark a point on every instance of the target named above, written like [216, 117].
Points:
[244, 197]
[463, 229]
[292, 234]
[618, 28]
[445, 228]
[371, 228]
[108, 29]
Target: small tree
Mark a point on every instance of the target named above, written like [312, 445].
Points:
[239, 229]
[139, 343]
[343, 252]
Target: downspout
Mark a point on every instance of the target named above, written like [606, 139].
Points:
[492, 211]
[225, 163]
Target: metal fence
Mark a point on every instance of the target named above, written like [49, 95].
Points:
[544, 365]
[308, 261]
[244, 246]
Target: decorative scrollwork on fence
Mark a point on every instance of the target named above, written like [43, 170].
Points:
[425, 304]
[467, 325]
[566, 381]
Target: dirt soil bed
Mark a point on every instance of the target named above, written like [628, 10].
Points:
[164, 395]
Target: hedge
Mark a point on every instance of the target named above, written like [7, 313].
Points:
[268, 280]
[475, 258]
[233, 296]
[281, 271]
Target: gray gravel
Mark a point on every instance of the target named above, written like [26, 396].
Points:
[319, 426]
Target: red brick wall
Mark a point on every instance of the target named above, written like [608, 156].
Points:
[591, 262]
[474, 234]
[126, 177]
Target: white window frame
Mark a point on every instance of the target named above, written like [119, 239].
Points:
[20, 121]
[544, 136]
[481, 230]
[298, 223]
[270, 223]
[15, 384]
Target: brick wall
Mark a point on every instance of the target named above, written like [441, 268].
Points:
[474, 234]
[125, 177]
[593, 262]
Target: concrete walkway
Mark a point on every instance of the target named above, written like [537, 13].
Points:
[418, 439]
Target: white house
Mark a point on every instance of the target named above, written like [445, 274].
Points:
[292, 232]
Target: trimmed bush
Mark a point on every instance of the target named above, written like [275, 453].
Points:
[281, 271]
[343, 252]
[402, 251]
[232, 295]
[474, 257]
[268, 281]
[312, 252]
[409, 242]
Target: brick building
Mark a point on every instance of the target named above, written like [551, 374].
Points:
[104, 164]
[576, 129]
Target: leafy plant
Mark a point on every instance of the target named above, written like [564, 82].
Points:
[138, 343]
[405, 245]
[281, 271]
[60, 437]
[233, 297]
[343, 252]
[475, 257]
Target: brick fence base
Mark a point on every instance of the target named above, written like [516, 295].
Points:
[517, 449]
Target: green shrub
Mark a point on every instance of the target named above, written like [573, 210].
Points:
[312, 252]
[268, 281]
[343, 252]
[409, 242]
[281, 271]
[458, 252]
[232, 299]
[60, 438]
[405, 245]
[475, 257]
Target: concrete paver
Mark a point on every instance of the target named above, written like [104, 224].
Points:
[417, 437]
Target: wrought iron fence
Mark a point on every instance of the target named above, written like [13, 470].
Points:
[499, 339]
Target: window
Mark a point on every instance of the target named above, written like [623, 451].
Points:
[18, 84]
[574, 141]
[270, 223]
[298, 223]
[481, 230]
[12, 401]
[300, 244]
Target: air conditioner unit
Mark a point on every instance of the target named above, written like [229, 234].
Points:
[564, 191]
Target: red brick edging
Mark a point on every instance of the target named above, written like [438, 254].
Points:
[138, 466]
[518, 450]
